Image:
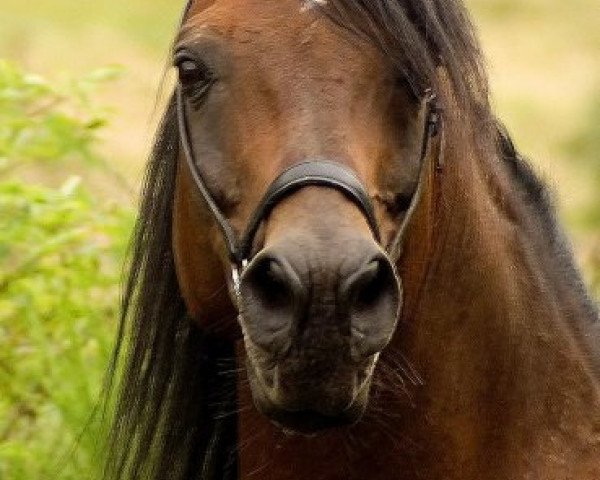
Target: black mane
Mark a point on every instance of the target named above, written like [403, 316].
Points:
[174, 414]
[535, 195]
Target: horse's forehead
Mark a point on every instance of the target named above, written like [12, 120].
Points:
[290, 33]
[255, 8]
[277, 23]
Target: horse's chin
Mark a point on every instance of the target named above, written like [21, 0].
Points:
[311, 418]
[310, 422]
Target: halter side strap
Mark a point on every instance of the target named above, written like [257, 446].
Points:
[433, 127]
[184, 135]
[186, 10]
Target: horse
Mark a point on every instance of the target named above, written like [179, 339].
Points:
[342, 266]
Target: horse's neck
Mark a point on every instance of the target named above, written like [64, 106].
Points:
[496, 335]
[504, 338]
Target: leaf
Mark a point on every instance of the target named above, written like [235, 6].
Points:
[70, 186]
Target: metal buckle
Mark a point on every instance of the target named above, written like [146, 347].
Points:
[236, 276]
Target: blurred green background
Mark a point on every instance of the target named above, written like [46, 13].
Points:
[78, 106]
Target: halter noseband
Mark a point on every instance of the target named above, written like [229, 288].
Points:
[309, 173]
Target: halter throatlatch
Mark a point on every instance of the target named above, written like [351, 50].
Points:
[310, 173]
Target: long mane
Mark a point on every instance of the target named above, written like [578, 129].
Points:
[175, 412]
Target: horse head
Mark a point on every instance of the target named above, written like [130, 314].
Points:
[302, 152]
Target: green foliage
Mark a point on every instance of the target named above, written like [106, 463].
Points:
[60, 256]
[42, 121]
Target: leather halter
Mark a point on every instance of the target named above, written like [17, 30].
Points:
[315, 172]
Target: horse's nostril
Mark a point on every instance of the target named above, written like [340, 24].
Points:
[272, 297]
[370, 285]
[365, 287]
[270, 282]
[371, 296]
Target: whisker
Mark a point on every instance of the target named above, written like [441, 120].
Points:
[233, 412]
[397, 360]
[393, 383]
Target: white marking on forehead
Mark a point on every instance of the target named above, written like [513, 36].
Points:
[310, 4]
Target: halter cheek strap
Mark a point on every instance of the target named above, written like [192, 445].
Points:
[433, 128]
[186, 10]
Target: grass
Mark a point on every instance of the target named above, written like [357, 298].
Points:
[56, 330]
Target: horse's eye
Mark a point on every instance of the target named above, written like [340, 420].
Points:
[195, 77]
[192, 71]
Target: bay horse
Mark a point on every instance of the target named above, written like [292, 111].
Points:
[343, 268]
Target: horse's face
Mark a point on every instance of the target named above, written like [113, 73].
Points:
[269, 84]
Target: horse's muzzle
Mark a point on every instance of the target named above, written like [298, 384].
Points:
[315, 315]
[354, 297]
